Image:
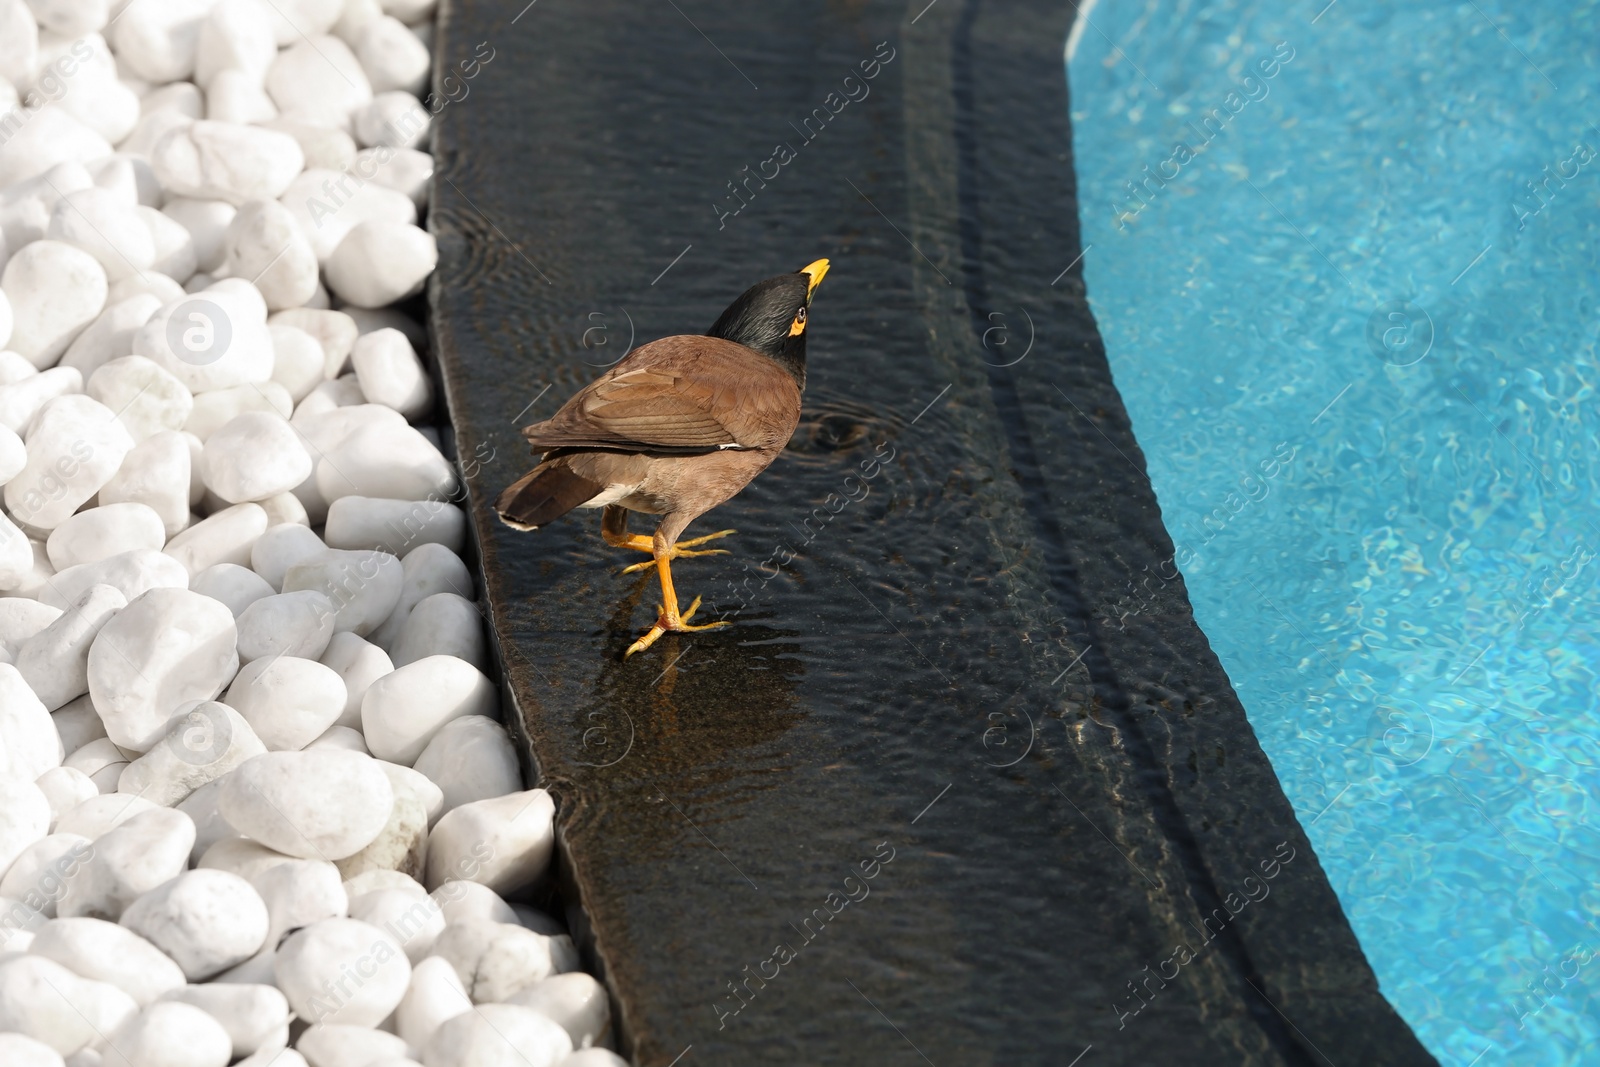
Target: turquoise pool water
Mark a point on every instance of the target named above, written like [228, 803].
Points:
[1354, 317]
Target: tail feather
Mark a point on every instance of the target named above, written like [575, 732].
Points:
[544, 495]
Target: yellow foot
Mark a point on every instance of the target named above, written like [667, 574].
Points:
[670, 621]
[681, 550]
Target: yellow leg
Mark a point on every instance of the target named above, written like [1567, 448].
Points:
[670, 619]
[614, 528]
[680, 550]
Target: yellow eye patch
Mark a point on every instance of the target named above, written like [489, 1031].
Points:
[798, 326]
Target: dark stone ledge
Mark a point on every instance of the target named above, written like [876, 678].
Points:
[959, 636]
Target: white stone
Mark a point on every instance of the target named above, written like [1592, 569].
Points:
[147, 399]
[376, 879]
[26, 206]
[175, 253]
[16, 558]
[129, 861]
[21, 401]
[236, 586]
[101, 224]
[35, 580]
[24, 818]
[335, 331]
[155, 474]
[222, 161]
[55, 291]
[254, 1016]
[43, 1000]
[207, 222]
[287, 624]
[207, 341]
[233, 96]
[517, 830]
[341, 1045]
[364, 586]
[312, 962]
[401, 845]
[395, 526]
[242, 856]
[254, 456]
[129, 176]
[38, 877]
[205, 920]
[298, 360]
[379, 263]
[471, 759]
[29, 745]
[169, 1034]
[13, 454]
[403, 711]
[20, 619]
[51, 137]
[167, 648]
[413, 923]
[388, 461]
[102, 761]
[13, 368]
[496, 960]
[413, 783]
[393, 57]
[80, 76]
[443, 625]
[575, 1000]
[318, 79]
[65, 788]
[225, 537]
[342, 737]
[106, 952]
[99, 815]
[405, 170]
[355, 17]
[497, 1035]
[110, 335]
[285, 508]
[395, 119]
[280, 548]
[158, 41]
[391, 374]
[204, 743]
[163, 288]
[215, 409]
[325, 147]
[435, 995]
[299, 893]
[19, 1050]
[265, 244]
[75, 445]
[358, 663]
[55, 661]
[324, 804]
[289, 702]
[236, 35]
[328, 204]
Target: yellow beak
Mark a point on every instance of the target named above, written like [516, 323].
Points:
[816, 271]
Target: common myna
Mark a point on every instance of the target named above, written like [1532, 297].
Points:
[674, 429]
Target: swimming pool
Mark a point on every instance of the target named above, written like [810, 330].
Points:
[1344, 261]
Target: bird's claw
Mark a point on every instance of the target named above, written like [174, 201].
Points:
[673, 622]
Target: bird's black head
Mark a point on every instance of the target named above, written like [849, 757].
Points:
[770, 317]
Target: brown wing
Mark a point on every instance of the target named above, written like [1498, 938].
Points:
[679, 395]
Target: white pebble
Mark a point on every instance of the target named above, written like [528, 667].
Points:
[39, 876]
[146, 398]
[402, 843]
[342, 972]
[299, 893]
[287, 624]
[24, 818]
[393, 57]
[288, 701]
[242, 856]
[110, 335]
[324, 804]
[158, 41]
[341, 1045]
[167, 648]
[75, 445]
[100, 815]
[390, 461]
[254, 456]
[395, 526]
[497, 1035]
[154, 474]
[280, 548]
[405, 170]
[222, 161]
[19, 1050]
[102, 761]
[170, 1034]
[379, 263]
[29, 745]
[21, 401]
[328, 204]
[471, 759]
[413, 923]
[43, 1000]
[435, 995]
[233, 96]
[403, 710]
[335, 331]
[444, 624]
[395, 119]
[236, 586]
[65, 789]
[359, 663]
[55, 661]
[218, 407]
[575, 1000]
[208, 341]
[51, 137]
[516, 829]
[205, 920]
[341, 737]
[101, 224]
[207, 222]
[176, 256]
[254, 1016]
[55, 291]
[129, 860]
[391, 374]
[318, 79]
[204, 743]
[225, 537]
[265, 244]
[363, 586]
[298, 360]
[325, 147]
[106, 952]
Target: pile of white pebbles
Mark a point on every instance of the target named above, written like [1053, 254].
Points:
[256, 804]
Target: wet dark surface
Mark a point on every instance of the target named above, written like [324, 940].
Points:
[959, 641]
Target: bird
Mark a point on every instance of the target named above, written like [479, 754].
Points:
[675, 428]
